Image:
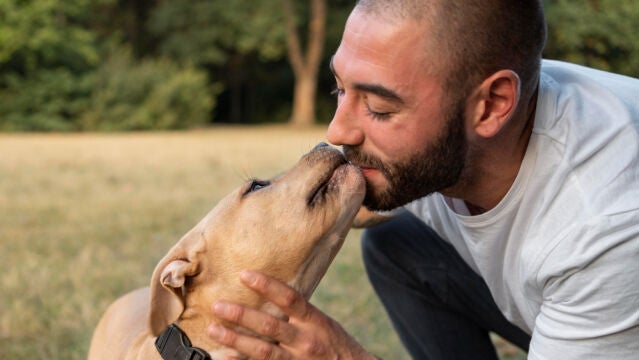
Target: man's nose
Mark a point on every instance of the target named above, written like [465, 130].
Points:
[345, 128]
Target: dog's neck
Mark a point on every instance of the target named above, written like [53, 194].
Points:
[174, 344]
[201, 340]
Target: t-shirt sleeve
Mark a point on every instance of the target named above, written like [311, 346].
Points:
[590, 286]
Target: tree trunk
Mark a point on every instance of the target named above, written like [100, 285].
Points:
[303, 114]
[305, 66]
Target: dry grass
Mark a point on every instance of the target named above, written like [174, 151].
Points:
[85, 218]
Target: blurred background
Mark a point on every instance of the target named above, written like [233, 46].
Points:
[113, 65]
[91, 199]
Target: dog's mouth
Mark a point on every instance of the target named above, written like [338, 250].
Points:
[328, 181]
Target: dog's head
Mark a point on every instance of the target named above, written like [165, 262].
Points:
[289, 227]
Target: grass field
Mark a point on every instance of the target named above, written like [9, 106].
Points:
[84, 218]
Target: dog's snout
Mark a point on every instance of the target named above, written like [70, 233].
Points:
[324, 153]
[320, 145]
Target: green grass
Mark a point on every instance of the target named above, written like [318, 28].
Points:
[84, 218]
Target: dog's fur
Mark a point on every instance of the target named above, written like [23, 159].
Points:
[290, 229]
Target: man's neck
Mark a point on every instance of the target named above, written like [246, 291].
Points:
[493, 170]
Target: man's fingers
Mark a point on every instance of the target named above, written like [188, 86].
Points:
[308, 333]
[291, 302]
[254, 348]
[256, 321]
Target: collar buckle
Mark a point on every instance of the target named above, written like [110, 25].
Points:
[173, 344]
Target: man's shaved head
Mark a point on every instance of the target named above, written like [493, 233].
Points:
[468, 40]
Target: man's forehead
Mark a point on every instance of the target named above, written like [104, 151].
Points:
[385, 48]
[368, 34]
[365, 30]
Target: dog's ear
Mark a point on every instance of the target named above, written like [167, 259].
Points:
[168, 281]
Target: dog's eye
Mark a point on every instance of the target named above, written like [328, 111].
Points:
[256, 185]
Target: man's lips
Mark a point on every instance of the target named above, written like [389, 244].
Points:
[366, 171]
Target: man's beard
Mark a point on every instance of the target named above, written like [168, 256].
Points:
[433, 168]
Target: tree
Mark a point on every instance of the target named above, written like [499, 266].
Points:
[44, 50]
[45, 34]
[305, 65]
[596, 33]
[226, 35]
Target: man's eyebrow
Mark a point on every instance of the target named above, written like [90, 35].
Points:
[378, 90]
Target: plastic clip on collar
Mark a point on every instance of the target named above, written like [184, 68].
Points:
[173, 344]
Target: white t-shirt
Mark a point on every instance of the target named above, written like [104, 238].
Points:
[560, 252]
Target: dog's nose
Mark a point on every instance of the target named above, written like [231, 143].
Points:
[320, 145]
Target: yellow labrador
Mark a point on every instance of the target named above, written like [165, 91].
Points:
[289, 227]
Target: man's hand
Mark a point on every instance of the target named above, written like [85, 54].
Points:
[308, 333]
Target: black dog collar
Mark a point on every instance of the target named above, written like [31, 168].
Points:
[173, 344]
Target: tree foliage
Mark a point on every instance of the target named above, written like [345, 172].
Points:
[46, 100]
[44, 49]
[148, 94]
[236, 41]
[596, 33]
[45, 34]
[69, 65]
[206, 32]
[53, 77]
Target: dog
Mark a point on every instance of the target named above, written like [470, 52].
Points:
[289, 227]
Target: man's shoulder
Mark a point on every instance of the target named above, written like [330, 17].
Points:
[582, 81]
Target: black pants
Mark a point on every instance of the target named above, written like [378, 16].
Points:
[439, 306]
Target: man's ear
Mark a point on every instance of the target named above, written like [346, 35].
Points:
[168, 281]
[494, 102]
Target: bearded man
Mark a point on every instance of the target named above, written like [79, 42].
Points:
[502, 191]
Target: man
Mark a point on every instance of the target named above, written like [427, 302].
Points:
[518, 180]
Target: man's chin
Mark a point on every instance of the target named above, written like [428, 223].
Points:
[380, 202]
[388, 199]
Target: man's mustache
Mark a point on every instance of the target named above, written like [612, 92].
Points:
[362, 159]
